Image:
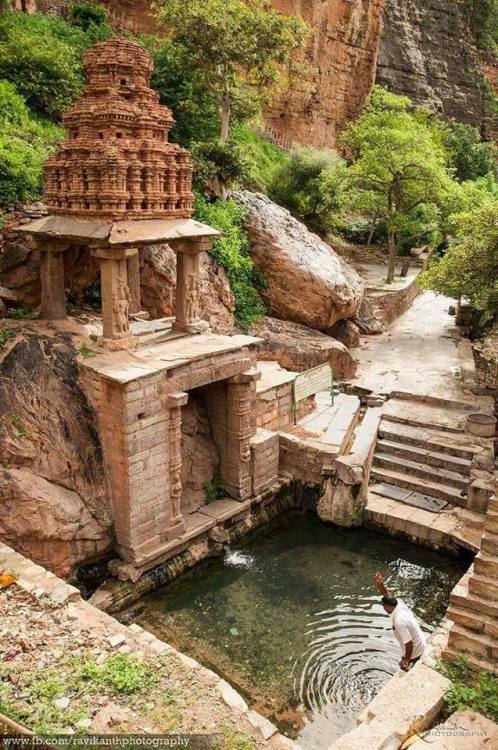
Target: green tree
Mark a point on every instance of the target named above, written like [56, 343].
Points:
[244, 49]
[470, 266]
[470, 156]
[305, 184]
[396, 170]
[25, 144]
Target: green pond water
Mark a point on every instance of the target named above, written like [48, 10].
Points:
[291, 618]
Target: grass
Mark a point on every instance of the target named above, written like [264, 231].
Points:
[5, 335]
[20, 313]
[213, 490]
[264, 157]
[19, 425]
[471, 689]
[85, 352]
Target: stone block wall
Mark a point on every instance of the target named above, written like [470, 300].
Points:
[274, 409]
[264, 460]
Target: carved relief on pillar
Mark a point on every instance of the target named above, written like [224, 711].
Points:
[240, 394]
[188, 286]
[115, 296]
[174, 403]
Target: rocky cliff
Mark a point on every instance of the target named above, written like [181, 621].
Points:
[53, 492]
[427, 52]
[422, 48]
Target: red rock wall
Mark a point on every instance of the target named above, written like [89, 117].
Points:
[342, 61]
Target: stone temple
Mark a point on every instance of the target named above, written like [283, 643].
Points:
[117, 162]
[115, 185]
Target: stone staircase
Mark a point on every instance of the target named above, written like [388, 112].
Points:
[423, 452]
[474, 603]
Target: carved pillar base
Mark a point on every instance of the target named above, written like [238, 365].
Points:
[115, 297]
[176, 525]
[187, 287]
[240, 394]
[53, 296]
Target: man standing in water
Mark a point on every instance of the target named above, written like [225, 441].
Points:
[406, 628]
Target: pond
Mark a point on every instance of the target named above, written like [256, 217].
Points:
[292, 619]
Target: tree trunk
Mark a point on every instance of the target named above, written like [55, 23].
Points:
[391, 265]
[225, 117]
[371, 233]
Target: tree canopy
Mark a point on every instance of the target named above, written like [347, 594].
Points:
[244, 49]
[398, 172]
[469, 267]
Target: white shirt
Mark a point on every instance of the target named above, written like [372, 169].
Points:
[407, 629]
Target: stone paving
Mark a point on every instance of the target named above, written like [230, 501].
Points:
[418, 354]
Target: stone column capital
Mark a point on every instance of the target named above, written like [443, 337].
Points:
[192, 246]
[176, 400]
[251, 376]
[49, 246]
[113, 253]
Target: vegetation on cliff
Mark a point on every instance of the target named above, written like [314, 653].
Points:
[243, 49]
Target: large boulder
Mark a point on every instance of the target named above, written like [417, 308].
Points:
[307, 282]
[53, 491]
[298, 348]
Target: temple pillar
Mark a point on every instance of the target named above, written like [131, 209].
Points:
[188, 286]
[115, 296]
[133, 273]
[241, 391]
[53, 296]
[174, 403]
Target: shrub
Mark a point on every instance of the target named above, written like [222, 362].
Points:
[87, 16]
[25, 143]
[300, 184]
[470, 689]
[232, 252]
[217, 166]
[41, 55]
[264, 158]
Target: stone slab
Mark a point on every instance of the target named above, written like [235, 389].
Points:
[222, 510]
[126, 366]
[141, 231]
[390, 491]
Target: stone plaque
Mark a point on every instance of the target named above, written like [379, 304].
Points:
[313, 381]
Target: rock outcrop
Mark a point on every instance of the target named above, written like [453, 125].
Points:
[307, 282]
[53, 495]
[296, 347]
[427, 53]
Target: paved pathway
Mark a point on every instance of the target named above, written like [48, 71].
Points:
[419, 353]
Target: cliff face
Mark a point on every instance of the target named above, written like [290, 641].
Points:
[341, 62]
[427, 53]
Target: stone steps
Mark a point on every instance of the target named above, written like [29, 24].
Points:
[421, 470]
[423, 438]
[487, 565]
[468, 642]
[416, 413]
[422, 455]
[333, 424]
[424, 486]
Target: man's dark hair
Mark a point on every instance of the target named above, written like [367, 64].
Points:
[389, 601]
